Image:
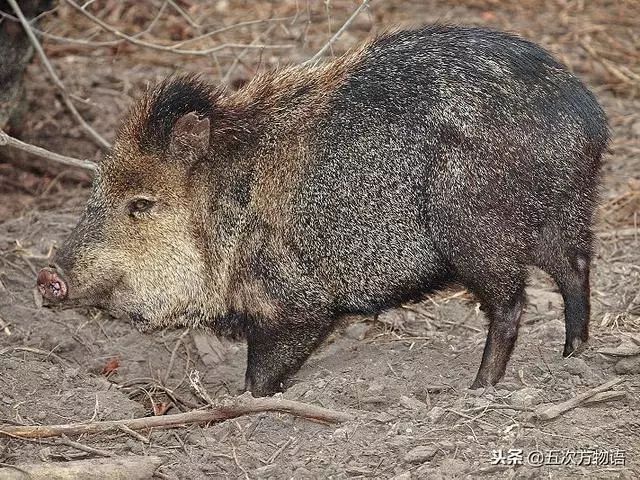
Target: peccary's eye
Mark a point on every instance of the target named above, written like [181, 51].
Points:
[139, 206]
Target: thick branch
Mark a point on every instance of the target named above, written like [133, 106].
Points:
[45, 61]
[242, 405]
[41, 152]
[131, 467]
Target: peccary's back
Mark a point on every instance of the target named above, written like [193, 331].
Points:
[444, 142]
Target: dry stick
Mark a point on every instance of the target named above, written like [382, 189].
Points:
[45, 61]
[237, 407]
[549, 413]
[111, 43]
[6, 139]
[37, 351]
[238, 58]
[222, 29]
[623, 232]
[337, 35]
[162, 48]
[85, 448]
[606, 397]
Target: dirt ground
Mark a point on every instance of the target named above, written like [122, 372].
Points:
[404, 374]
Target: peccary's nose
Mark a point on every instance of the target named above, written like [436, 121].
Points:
[51, 285]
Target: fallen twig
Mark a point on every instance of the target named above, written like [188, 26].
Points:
[606, 397]
[45, 61]
[549, 413]
[37, 351]
[6, 139]
[623, 232]
[85, 448]
[232, 408]
[337, 35]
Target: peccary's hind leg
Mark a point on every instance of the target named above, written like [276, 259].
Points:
[571, 272]
[504, 314]
[277, 350]
[575, 291]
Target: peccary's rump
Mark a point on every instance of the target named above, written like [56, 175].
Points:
[422, 158]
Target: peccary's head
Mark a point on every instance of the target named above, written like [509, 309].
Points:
[138, 249]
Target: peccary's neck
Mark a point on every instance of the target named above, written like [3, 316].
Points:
[280, 102]
[258, 151]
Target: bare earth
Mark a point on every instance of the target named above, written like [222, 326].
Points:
[404, 374]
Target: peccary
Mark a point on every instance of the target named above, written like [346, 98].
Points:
[423, 158]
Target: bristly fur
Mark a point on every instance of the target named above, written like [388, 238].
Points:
[423, 158]
[278, 101]
[152, 119]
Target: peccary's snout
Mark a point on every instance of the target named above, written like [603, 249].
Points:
[51, 285]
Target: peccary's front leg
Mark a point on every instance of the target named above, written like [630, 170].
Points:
[504, 317]
[277, 351]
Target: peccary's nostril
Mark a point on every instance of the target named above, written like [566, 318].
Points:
[51, 285]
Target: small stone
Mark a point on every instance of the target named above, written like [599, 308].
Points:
[447, 445]
[383, 417]
[411, 403]
[427, 471]
[302, 473]
[421, 454]
[402, 476]
[628, 366]
[436, 413]
[266, 470]
[357, 331]
[454, 467]
[525, 397]
[577, 366]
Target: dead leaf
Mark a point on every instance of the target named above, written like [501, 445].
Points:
[161, 408]
[111, 366]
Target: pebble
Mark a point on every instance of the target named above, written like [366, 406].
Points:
[411, 403]
[436, 413]
[357, 331]
[525, 397]
[454, 467]
[267, 470]
[421, 454]
[302, 473]
[577, 366]
[402, 476]
[628, 366]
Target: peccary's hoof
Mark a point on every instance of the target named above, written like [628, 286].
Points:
[477, 383]
[576, 347]
[51, 285]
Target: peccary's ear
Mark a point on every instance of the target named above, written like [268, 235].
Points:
[190, 134]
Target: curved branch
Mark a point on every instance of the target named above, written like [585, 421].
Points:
[337, 35]
[7, 140]
[45, 61]
[236, 407]
[163, 48]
